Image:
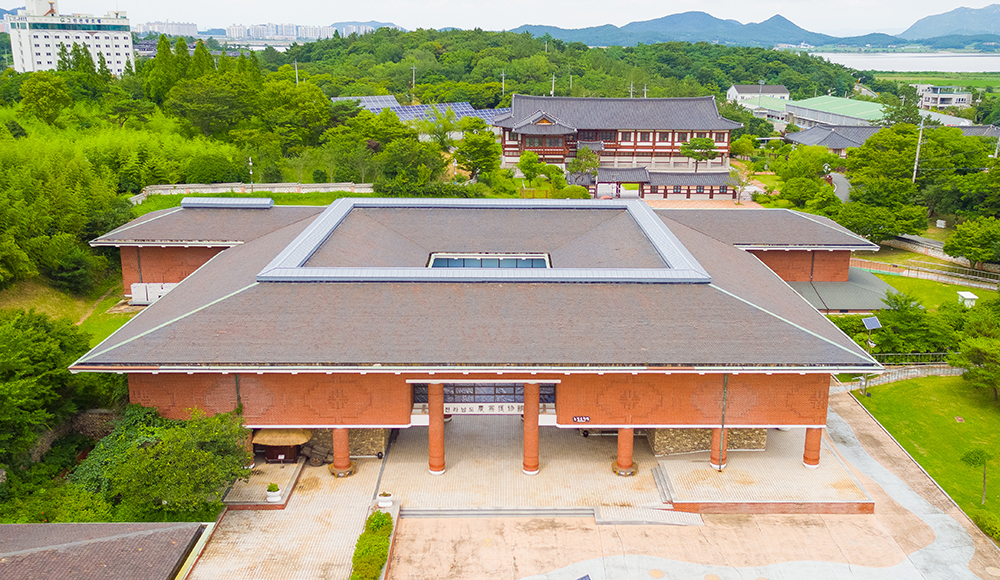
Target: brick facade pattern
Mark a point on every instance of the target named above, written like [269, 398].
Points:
[619, 400]
[807, 266]
[162, 265]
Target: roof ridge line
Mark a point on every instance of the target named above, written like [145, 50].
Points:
[783, 319]
[95, 352]
[127, 227]
[815, 221]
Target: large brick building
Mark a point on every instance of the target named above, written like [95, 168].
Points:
[375, 314]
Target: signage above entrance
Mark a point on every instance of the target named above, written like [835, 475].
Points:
[484, 409]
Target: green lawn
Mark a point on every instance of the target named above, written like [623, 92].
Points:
[981, 79]
[36, 294]
[931, 294]
[156, 202]
[940, 234]
[772, 181]
[921, 415]
[890, 255]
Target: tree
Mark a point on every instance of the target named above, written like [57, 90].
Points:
[743, 147]
[478, 152]
[212, 103]
[586, 162]
[530, 166]
[881, 223]
[977, 240]
[699, 149]
[45, 95]
[202, 62]
[163, 74]
[980, 357]
[978, 458]
[808, 161]
[119, 106]
[439, 126]
[182, 59]
[739, 181]
[896, 111]
[183, 468]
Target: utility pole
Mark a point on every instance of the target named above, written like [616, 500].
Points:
[553, 92]
[916, 160]
[760, 92]
[630, 87]
[645, 91]
[546, 47]
[296, 72]
[503, 82]
[413, 84]
[250, 161]
[571, 82]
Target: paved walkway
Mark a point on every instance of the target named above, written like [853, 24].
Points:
[750, 475]
[313, 538]
[915, 533]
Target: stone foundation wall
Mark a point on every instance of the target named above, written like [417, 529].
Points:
[674, 441]
[94, 423]
[368, 441]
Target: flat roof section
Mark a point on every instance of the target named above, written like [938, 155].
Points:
[388, 240]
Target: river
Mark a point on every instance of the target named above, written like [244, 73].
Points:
[915, 61]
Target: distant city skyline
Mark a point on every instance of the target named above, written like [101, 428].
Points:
[849, 17]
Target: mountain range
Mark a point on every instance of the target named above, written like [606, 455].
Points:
[703, 27]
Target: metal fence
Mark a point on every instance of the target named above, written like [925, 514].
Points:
[902, 374]
[910, 358]
[927, 274]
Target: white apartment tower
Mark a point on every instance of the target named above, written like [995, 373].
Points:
[37, 31]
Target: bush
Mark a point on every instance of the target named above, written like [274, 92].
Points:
[319, 176]
[372, 549]
[403, 188]
[571, 192]
[987, 522]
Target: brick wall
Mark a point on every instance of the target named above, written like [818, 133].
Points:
[319, 399]
[308, 399]
[807, 266]
[162, 265]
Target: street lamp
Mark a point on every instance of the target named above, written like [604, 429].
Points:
[760, 91]
[250, 161]
[871, 323]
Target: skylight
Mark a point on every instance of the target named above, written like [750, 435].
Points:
[442, 260]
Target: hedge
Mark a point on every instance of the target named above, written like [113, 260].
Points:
[372, 550]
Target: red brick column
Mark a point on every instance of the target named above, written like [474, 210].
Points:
[342, 465]
[435, 432]
[718, 450]
[810, 458]
[530, 428]
[624, 465]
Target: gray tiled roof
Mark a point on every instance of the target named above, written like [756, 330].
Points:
[118, 551]
[833, 136]
[553, 126]
[754, 89]
[622, 175]
[692, 113]
[709, 178]
[763, 228]
[592, 145]
[863, 291]
[406, 237]
[205, 225]
[221, 316]
[981, 131]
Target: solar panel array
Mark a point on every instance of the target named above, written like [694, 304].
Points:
[376, 103]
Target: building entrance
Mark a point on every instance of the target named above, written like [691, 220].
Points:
[485, 398]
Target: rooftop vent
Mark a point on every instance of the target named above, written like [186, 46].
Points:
[228, 202]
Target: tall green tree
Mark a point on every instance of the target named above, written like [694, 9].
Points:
[586, 162]
[202, 62]
[977, 240]
[45, 95]
[163, 72]
[699, 149]
[978, 458]
[182, 58]
[530, 166]
[478, 152]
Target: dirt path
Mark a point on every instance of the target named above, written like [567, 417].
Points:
[93, 307]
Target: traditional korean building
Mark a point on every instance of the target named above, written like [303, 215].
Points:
[377, 314]
[625, 133]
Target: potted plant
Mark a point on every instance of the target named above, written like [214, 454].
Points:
[273, 493]
[384, 499]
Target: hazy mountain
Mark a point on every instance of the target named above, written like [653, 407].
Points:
[687, 26]
[372, 23]
[10, 11]
[965, 21]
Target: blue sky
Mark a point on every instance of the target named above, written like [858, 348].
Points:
[838, 17]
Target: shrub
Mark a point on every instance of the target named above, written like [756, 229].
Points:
[987, 522]
[372, 549]
[403, 188]
[319, 176]
[571, 192]
[272, 487]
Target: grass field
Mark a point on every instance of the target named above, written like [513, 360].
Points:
[921, 415]
[891, 255]
[930, 293]
[157, 202]
[983, 79]
[772, 181]
[89, 312]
